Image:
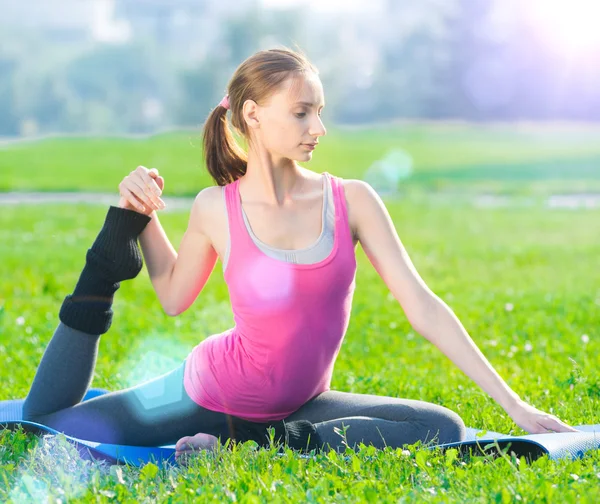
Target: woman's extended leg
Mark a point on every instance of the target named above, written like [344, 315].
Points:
[379, 420]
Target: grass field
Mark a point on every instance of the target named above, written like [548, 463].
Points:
[524, 280]
[499, 158]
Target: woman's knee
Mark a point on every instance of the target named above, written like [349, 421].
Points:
[446, 426]
[29, 414]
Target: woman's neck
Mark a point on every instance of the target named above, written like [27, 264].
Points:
[271, 181]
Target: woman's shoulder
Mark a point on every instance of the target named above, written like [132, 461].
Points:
[208, 206]
[208, 198]
[357, 194]
[355, 189]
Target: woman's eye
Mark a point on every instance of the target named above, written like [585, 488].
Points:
[300, 115]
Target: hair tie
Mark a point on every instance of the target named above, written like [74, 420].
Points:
[225, 102]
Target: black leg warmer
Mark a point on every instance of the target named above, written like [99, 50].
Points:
[298, 435]
[115, 256]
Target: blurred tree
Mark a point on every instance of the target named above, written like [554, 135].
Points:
[431, 59]
[201, 90]
[203, 85]
[44, 102]
[159, 19]
[241, 37]
[408, 81]
[406, 77]
[9, 122]
[113, 84]
[466, 71]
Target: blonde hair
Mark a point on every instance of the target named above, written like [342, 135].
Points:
[257, 78]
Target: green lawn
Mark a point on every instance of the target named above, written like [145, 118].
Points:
[498, 158]
[479, 260]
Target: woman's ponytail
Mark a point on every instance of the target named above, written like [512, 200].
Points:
[226, 161]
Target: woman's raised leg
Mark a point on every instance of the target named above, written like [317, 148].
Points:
[67, 366]
[156, 412]
[64, 374]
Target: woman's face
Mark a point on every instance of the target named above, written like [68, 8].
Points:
[290, 121]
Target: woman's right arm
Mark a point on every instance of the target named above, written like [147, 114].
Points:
[177, 277]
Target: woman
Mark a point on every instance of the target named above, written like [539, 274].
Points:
[286, 237]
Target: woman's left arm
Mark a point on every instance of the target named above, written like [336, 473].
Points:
[426, 312]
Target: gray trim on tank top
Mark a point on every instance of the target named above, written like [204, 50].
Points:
[314, 253]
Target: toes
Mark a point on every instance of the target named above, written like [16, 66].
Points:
[183, 443]
[182, 459]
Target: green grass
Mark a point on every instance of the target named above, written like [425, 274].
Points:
[498, 158]
[543, 262]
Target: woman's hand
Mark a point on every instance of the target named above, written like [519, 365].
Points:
[141, 191]
[535, 421]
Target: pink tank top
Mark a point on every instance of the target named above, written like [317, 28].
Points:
[290, 321]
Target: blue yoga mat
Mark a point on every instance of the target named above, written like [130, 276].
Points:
[477, 442]
[11, 418]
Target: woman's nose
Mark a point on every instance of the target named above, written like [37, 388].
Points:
[318, 128]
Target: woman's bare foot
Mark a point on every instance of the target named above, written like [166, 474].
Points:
[188, 445]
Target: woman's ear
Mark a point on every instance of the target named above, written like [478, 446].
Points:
[250, 113]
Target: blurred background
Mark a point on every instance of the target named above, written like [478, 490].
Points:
[478, 120]
[142, 66]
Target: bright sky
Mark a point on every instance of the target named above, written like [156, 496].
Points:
[571, 23]
[319, 5]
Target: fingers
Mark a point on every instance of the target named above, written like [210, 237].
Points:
[551, 423]
[133, 200]
[141, 190]
[560, 426]
[145, 180]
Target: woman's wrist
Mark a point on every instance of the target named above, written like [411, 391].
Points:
[511, 403]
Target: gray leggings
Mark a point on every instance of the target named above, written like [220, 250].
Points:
[159, 411]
